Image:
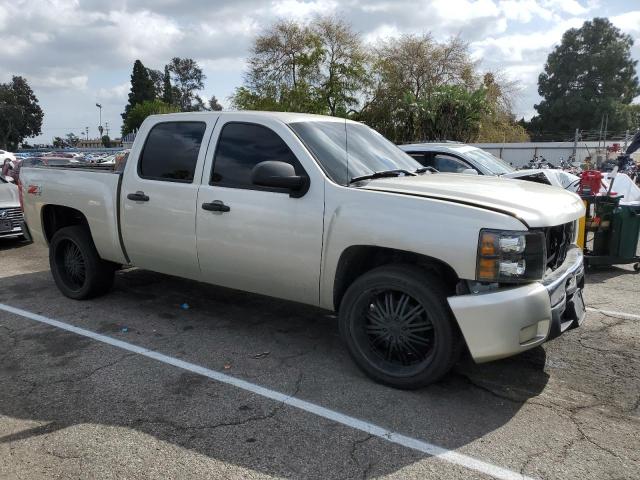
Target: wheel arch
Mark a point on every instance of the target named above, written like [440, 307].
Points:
[55, 217]
[356, 260]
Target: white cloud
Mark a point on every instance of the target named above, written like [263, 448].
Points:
[117, 93]
[383, 32]
[299, 9]
[60, 80]
[628, 22]
[516, 47]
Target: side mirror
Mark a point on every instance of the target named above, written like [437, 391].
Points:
[469, 171]
[277, 174]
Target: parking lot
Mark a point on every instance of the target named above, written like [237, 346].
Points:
[166, 404]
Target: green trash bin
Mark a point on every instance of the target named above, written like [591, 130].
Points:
[625, 231]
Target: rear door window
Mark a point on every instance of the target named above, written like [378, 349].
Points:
[171, 151]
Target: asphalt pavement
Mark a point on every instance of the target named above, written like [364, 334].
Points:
[244, 386]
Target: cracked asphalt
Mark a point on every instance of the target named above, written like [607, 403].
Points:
[72, 407]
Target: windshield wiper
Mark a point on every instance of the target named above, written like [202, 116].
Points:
[382, 174]
[427, 169]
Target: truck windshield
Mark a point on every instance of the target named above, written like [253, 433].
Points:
[490, 162]
[347, 150]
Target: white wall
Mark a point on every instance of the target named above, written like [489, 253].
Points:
[519, 154]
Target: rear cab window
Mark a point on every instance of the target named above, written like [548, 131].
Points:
[170, 152]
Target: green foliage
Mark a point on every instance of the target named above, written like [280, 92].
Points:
[142, 110]
[72, 140]
[157, 78]
[58, 142]
[188, 78]
[318, 68]
[425, 90]
[142, 88]
[167, 89]
[106, 141]
[214, 105]
[20, 114]
[590, 74]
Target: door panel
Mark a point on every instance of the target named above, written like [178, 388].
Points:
[267, 242]
[158, 217]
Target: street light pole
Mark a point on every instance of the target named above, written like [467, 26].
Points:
[100, 129]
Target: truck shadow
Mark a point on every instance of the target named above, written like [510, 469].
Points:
[12, 243]
[49, 375]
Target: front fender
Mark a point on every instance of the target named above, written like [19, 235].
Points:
[436, 228]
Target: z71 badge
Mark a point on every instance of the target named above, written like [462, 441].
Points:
[34, 190]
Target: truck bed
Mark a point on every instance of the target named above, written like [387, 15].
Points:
[92, 190]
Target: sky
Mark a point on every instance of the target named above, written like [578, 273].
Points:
[76, 53]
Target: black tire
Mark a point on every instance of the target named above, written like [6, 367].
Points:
[387, 347]
[75, 265]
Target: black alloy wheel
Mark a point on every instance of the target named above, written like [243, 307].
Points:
[71, 264]
[398, 327]
[395, 331]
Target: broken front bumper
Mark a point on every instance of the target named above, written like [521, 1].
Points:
[504, 322]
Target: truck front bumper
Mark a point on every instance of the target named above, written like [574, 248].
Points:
[508, 321]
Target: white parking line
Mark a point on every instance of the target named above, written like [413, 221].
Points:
[355, 423]
[613, 313]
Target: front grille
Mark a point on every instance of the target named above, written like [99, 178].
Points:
[558, 240]
[14, 213]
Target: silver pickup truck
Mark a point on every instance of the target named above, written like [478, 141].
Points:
[327, 212]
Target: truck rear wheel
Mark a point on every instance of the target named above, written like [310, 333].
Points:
[76, 267]
[398, 328]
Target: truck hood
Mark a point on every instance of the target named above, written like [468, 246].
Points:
[9, 195]
[534, 204]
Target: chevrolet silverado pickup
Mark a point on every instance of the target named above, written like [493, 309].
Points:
[325, 211]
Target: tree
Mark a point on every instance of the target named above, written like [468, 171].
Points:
[20, 113]
[142, 110]
[58, 142]
[157, 78]
[590, 74]
[72, 140]
[142, 89]
[342, 69]
[283, 66]
[498, 122]
[406, 73]
[188, 78]
[316, 68]
[214, 105]
[167, 88]
[106, 141]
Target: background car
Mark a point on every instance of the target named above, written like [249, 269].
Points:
[452, 157]
[10, 212]
[467, 159]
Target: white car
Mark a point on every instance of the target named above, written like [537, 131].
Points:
[327, 212]
[451, 157]
[11, 220]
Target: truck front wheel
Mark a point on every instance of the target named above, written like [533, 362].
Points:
[398, 327]
[77, 269]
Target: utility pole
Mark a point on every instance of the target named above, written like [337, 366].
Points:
[106, 127]
[575, 144]
[86, 132]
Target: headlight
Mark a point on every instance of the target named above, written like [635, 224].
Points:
[510, 257]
